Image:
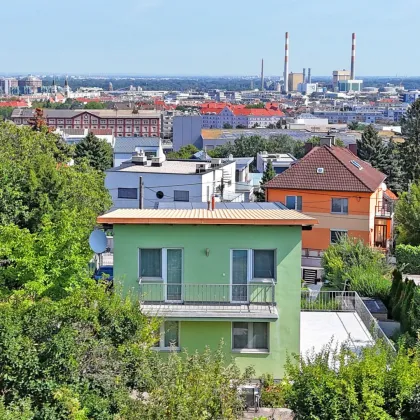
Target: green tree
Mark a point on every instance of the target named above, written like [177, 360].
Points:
[98, 153]
[95, 105]
[410, 149]
[260, 105]
[227, 126]
[241, 126]
[407, 216]
[371, 148]
[393, 167]
[279, 124]
[5, 112]
[185, 152]
[355, 126]
[268, 175]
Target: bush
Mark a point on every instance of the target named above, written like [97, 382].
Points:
[408, 258]
[272, 394]
[340, 385]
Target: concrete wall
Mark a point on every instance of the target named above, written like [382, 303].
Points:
[187, 130]
[215, 269]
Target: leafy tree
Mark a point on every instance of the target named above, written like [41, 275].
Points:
[95, 105]
[256, 125]
[371, 148]
[227, 126]
[393, 168]
[410, 149]
[407, 216]
[260, 105]
[185, 152]
[241, 126]
[279, 124]
[5, 112]
[355, 126]
[268, 175]
[98, 153]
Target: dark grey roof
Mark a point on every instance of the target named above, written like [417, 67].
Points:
[232, 206]
[129, 144]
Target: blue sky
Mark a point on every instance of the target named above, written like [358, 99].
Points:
[216, 37]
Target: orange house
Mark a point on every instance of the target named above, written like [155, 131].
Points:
[345, 194]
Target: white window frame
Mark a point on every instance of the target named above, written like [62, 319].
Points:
[164, 270]
[340, 212]
[296, 201]
[250, 334]
[162, 338]
[345, 231]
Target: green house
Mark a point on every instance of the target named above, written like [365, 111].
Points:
[231, 273]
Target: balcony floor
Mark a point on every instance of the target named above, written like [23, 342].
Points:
[203, 311]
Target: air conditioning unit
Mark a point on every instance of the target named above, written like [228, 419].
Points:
[202, 167]
[158, 160]
[319, 170]
[216, 162]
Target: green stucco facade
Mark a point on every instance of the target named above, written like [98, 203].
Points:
[207, 260]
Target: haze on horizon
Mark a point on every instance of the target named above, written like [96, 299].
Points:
[218, 38]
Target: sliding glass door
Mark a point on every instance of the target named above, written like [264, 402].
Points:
[239, 275]
[174, 274]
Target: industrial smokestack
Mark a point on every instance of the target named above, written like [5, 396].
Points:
[286, 64]
[353, 56]
[262, 74]
[309, 76]
[304, 76]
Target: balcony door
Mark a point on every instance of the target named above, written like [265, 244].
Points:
[239, 275]
[173, 274]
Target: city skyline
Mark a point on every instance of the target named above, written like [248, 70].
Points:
[159, 38]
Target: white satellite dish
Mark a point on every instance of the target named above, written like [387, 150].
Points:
[98, 241]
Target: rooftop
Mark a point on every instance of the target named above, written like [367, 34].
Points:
[329, 168]
[129, 144]
[263, 214]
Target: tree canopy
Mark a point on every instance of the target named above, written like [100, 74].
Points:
[268, 175]
[96, 152]
[185, 152]
[407, 216]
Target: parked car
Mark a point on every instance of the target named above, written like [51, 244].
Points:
[104, 272]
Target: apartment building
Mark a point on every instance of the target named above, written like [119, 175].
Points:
[123, 123]
[231, 273]
[345, 194]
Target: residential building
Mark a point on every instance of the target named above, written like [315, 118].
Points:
[168, 181]
[123, 123]
[345, 194]
[126, 147]
[280, 161]
[9, 86]
[76, 135]
[231, 273]
[29, 85]
[294, 80]
[187, 130]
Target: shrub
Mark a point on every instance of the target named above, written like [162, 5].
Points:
[408, 258]
[272, 394]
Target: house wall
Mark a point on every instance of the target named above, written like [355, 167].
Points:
[358, 222]
[215, 269]
[187, 130]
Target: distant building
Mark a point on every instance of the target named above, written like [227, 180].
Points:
[123, 123]
[76, 135]
[29, 85]
[294, 80]
[9, 86]
[350, 85]
[126, 147]
[187, 130]
[409, 97]
[280, 161]
[340, 76]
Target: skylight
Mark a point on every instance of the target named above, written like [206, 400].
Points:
[356, 164]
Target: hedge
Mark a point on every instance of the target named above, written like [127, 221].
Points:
[408, 258]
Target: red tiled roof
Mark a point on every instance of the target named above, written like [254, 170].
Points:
[14, 104]
[339, 173]
[391, 195]
[240, 110]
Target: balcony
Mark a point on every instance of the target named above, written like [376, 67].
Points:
[209, 301]
[384, 209]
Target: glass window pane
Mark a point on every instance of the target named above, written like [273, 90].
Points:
[299, 203]
[174, 274]
[291, 202]
[336, 205]
[171, 333]
[345, 205]
[151, 263]
[263, 264]
[240, 335]
[260, 335]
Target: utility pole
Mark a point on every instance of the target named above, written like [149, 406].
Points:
[141, 193]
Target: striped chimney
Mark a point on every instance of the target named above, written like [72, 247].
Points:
[262, 74]
[286, 64]
[353, 56]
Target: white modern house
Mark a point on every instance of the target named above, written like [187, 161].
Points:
[180, 181]
[125, 147]
[280, 161]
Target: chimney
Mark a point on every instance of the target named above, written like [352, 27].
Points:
[327, 141]
[308, 147]
[309, 76]
[304, 76]
[353, 56]
[262, 74]
[286, 64]
[353, 148]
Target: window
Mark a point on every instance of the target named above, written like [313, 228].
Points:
[130, 193]
[151, 263]
[294, 202]
[339, 205]
[169, 335]
[336, 234]
[263, 264]
[145, 121]
[250, 336]
[181, 195]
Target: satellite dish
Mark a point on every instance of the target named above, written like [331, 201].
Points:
[98, 241]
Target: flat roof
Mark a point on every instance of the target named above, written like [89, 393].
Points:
[225, 215]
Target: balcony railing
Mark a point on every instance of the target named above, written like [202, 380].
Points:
[343, 302]
[384, 209]
[187, 297]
